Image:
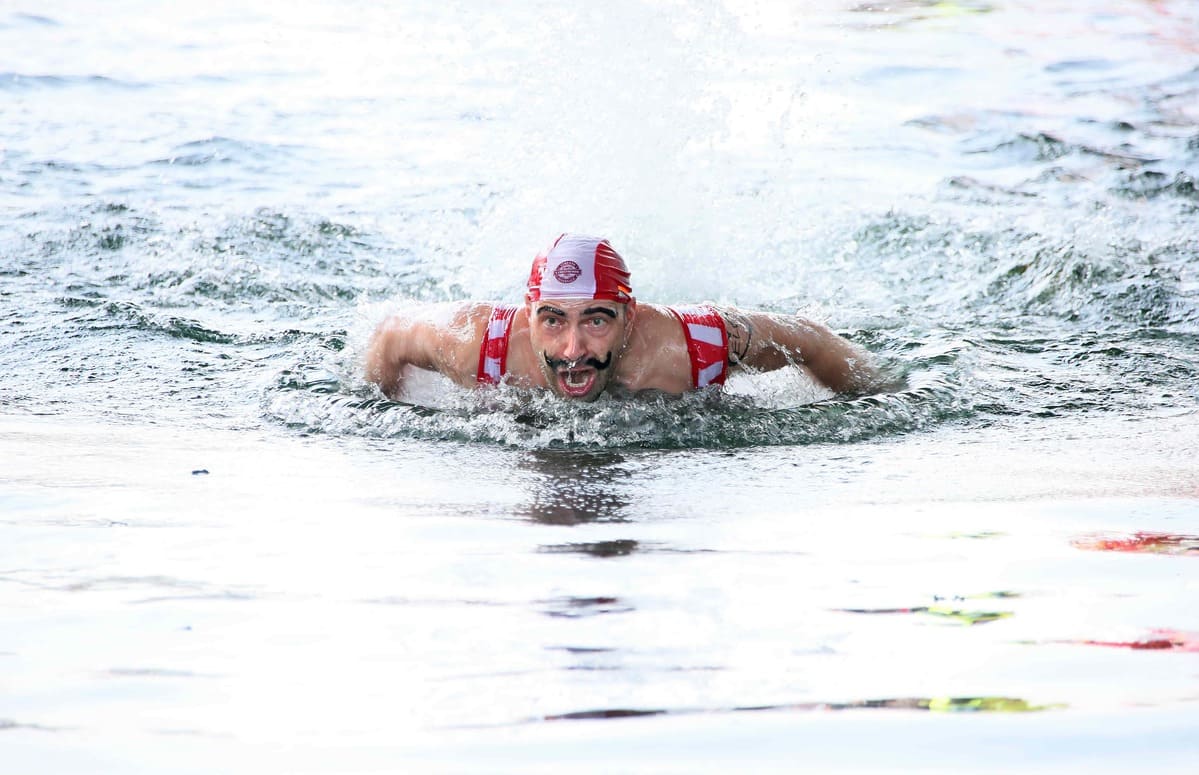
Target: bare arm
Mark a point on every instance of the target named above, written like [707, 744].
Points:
[767, 342]
[437, 338]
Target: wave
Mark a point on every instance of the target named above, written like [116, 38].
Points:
[967, 276]
[1151, 184]
[1115, 288]
[225, 150]
[129, 315]
[289, 265]
[1026, 147]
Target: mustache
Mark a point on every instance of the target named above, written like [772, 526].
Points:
[595, 363]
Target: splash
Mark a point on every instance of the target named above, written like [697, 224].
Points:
[316, 399]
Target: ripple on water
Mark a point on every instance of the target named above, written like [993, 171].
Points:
[12, 81]
[265, 261]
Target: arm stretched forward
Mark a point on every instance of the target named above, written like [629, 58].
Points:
[442, 339]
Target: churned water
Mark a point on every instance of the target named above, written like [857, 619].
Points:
[222, 550]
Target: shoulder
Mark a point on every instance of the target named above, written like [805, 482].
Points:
[462, 321]
[658, 320]
[443, 322]
[656, 357]
[457, 333]
[444, 337]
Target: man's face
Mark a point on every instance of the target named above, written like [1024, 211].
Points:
[578, 343]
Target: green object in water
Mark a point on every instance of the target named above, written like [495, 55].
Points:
[989, 704]
[966, 617]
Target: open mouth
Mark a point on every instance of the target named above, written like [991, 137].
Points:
[577, 382]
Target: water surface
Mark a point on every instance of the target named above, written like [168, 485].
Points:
[222, 550]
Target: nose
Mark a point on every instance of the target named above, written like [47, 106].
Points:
[575, 348]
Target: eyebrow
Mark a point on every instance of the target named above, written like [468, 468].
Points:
[547, 309]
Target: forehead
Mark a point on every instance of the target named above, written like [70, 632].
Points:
[571, 307]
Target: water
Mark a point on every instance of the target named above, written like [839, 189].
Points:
[223, 551]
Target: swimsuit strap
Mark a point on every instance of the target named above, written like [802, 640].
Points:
[493, 350]
[707, 344]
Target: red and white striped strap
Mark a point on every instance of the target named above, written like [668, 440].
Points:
[493, 352]
[707, 344]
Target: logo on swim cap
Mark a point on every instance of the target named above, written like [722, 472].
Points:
[567, 272]
[579, 267]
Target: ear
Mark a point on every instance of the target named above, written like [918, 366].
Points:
[630, 311]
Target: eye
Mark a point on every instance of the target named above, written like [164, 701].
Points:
[597, 322]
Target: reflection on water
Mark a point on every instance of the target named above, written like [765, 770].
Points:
[1142, 543]
[934, 704]
[947, 613]
[620, 547]
[576, 487]
[576, 607]
[1155, 640]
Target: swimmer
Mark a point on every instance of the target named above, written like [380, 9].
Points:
[580, 332]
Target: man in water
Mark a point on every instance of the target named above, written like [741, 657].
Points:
[580, 331]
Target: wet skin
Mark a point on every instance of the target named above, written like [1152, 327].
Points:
[578, 343]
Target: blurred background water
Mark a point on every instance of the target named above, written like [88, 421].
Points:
[206, 209]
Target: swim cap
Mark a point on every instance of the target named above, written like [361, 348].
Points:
[578, 267]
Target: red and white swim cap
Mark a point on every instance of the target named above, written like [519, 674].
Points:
[579, 267]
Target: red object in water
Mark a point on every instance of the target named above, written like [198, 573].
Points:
[1142, 543]
[1157, 640]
